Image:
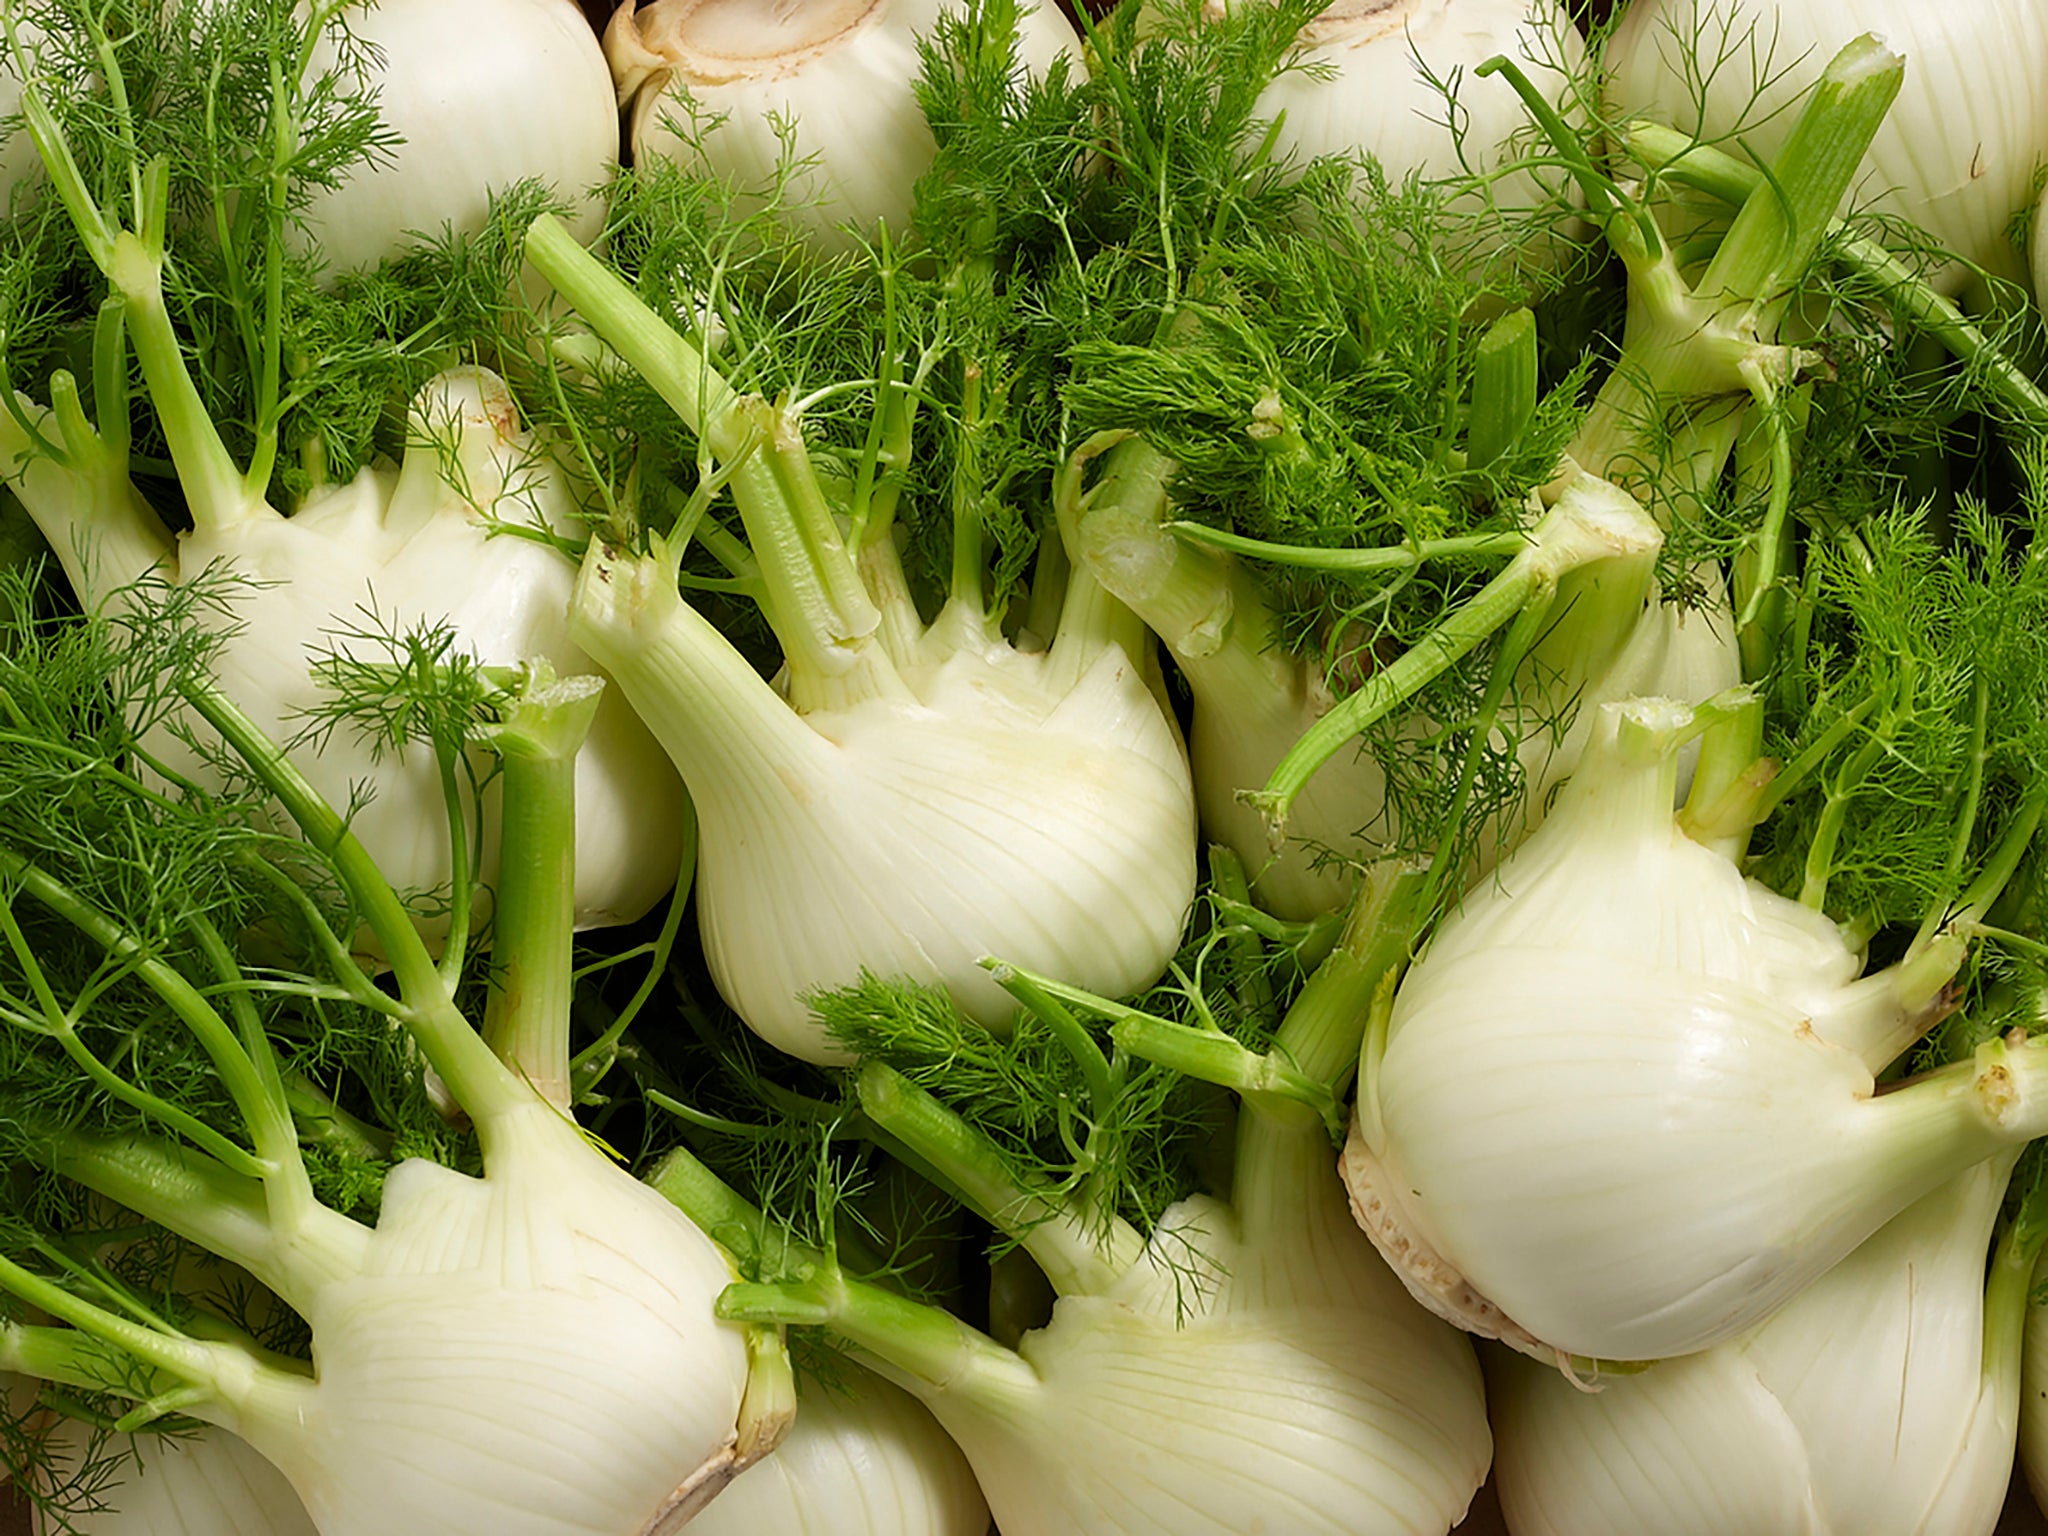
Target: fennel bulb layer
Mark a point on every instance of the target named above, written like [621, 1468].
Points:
[1881, 1401]
[863, 1458]
[1958, 152]
[818, 99]
[1625, 1108]
[971, 800]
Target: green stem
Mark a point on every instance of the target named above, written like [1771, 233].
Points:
[61, 1355]
[1966, 819]
[1583, 527]
[215, 490]
[821, 611]
[199, 1362]
[526, 1021]
[1096, 1071]
[1325, 1027]
[736, 1225]
[228, 1213]
[325, 1124]
[2007, 1293]
[1781, 225]
[1759, 625]
[189, 1192]
[813, 580]
[271, 1127]
[589, 1065]
[1709, 170]
[1266, 1080]
[1079, 1256]
[241, 1078]
[924, 1349]
[1233, 892]
[1834, 817]
[966, 584]
[1683, 346]
[678, 370]
[481, 1083]
[1391, 557]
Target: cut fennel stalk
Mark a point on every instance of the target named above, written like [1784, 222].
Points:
[529, 1351]
[921, 795]
[1248, 1363]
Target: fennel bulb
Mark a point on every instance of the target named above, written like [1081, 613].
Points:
[1295, 1389]
[529, 1351]
[959, 800]
[480, 98]
[1881, 1400]
[863, 1458]
[816, 101]
[1246, 1365]
[1393, 80]
[1958, 155]
[914, 796]
[1625, 1104]
[534, 1344]
[470, 102]
[358, 564]
[1239, 1371]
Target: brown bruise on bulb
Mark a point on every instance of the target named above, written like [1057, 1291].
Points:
[721, 42]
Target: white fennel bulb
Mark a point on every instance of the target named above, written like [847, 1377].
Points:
[1248, 1365]
[482, 97]
[1958, 152]
[1882, 1400]
[208, 1483]
[530, 1350]
[536, 1344]
[1625, 1104]
[863, 1458]
[965, 800]
[1394, 81]
[388, 552]
[910, 797]
[1243, 1369]
[1283, 1390]
[822, 92]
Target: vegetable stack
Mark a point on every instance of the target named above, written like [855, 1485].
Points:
[1198, 771]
